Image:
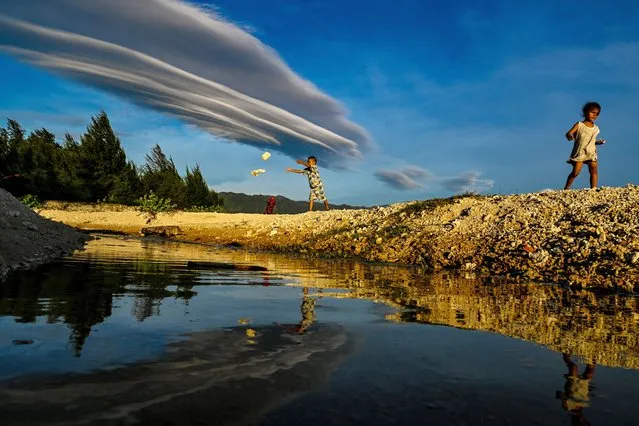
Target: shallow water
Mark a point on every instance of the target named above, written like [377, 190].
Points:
[125, 333]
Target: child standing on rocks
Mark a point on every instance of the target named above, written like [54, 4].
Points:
[314, 181]
[584, 133]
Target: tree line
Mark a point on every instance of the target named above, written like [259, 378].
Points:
[95, 168]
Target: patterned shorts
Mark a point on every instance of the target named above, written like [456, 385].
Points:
[317, 193]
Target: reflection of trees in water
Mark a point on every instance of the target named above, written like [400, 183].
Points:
[603, 329]
[80, 294]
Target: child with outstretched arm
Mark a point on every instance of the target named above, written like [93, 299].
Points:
[314, 181]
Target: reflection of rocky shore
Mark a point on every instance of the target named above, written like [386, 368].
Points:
[604, 329]
[216, 377]
[583, 238]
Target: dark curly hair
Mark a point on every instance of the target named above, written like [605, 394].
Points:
[590, 106]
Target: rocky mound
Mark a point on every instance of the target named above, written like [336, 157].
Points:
[584, 238]
[27, 239]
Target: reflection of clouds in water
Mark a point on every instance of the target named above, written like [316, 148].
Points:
[211, 372]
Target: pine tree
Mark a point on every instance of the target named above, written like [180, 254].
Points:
[13, 136]
[4, 152]
[215, 200]
[101, 158]
[160, 175]
[197, 191]
[127, 187]
[11, 139]
[72, 187]
[39, 155]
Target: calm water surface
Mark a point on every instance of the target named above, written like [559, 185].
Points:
[125, 333]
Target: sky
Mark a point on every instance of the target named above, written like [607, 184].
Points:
[399, 100]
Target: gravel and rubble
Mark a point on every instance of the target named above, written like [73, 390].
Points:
[27, 239]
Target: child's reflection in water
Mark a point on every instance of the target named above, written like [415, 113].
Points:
[308, 313]
[575, 396]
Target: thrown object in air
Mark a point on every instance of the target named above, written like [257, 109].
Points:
[600, 142]
[258, 172]
[266, 156]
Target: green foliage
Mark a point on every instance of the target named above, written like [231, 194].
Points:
[126, 186]
[71, 185]
[152, 203]
[205, 209]
[197, 192]
[10, 139]
[95, 169]
[31, 201]
[101, 158]
[4, 151]
[39, 154]
[160, 176]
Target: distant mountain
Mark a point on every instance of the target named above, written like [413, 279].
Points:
[243, 203]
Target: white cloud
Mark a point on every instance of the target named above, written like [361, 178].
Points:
[189, 63]
[408, 177]
[401, 179]
[468, 181]
[416, 172]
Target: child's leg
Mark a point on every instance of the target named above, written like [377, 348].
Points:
[573, 369]
[326, 203]
[310, 205]
[594, 173]
[589, 372]
[576, 168]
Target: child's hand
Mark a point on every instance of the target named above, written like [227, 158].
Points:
[600, 142]
[289, 169]
[570, 136]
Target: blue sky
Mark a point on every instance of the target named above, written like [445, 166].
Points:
[409, 99]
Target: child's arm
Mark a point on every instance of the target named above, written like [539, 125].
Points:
[294, 170]
[570, 135]
[303, 163]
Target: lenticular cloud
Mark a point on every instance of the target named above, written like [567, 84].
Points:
[177, 59]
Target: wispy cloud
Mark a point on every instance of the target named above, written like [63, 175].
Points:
[190, 63]
[467, 181]
[30, 117]
[404, 179]
[414, 177]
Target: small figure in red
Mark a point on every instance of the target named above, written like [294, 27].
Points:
[270, 206]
